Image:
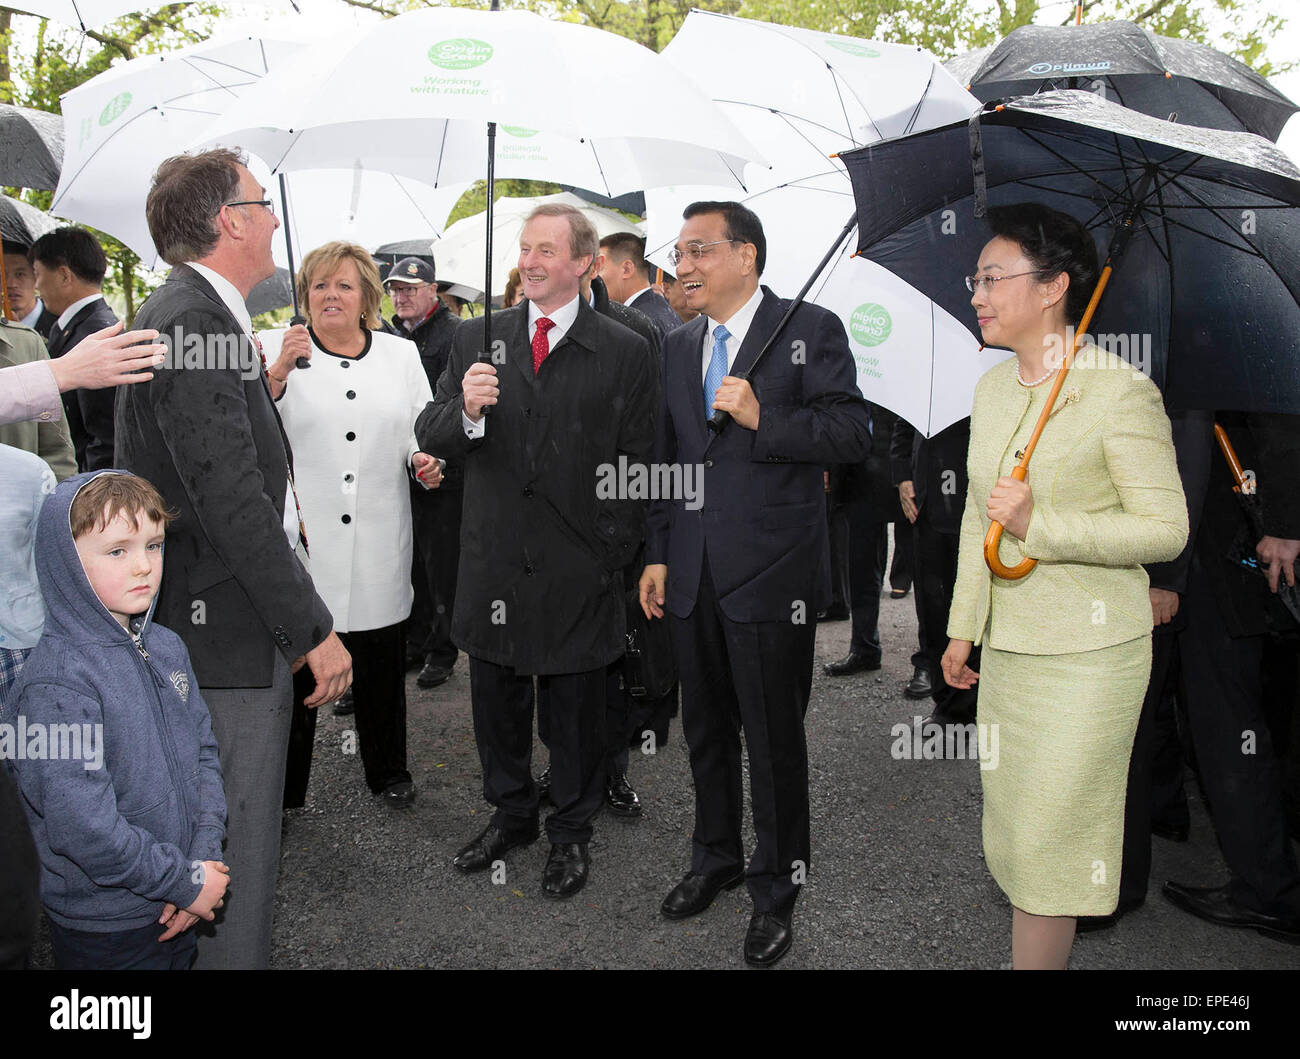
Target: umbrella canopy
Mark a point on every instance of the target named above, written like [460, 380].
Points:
[835, 93]
[414, 94]
[120, 125]
[1206, 296]
[460, 253]
[33, 147]
[89, 14]
[1130, 65]
[21, 223]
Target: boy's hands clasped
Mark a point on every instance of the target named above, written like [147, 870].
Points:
[216, 877]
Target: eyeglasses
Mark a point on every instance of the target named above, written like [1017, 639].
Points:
[694, 251]
[406, 290]
[985, 283]
[254, 202]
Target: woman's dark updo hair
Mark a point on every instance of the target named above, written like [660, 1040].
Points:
[1053, 242]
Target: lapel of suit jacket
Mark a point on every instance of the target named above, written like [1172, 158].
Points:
[691, 371]
[81, 314]
[514, 333]
[1015, 400]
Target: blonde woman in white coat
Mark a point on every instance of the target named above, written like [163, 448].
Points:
[351, 422]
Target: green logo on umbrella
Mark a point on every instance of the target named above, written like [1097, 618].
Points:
[870, 324]
[460, 53]
[115, 108]
[860, 50]
[518, 130]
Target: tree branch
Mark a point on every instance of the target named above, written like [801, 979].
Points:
[370, 7]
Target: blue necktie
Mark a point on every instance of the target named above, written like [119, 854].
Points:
[717, 367]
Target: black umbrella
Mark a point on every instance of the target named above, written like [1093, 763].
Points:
[32, 155]
[1203, 229]
[1132, 66]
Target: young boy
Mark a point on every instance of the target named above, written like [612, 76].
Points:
[111, 741]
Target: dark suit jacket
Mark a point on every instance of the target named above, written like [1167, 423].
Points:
[210, 439]
[763, 519]
[630, 317]
[542, 542]
[89, 412]
[661, 314]
[45, 322]
[869, 482]
[433, 339]
[936, 467]
[1269, 445]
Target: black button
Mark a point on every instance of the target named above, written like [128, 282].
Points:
[345, 364]
[347, 519]
[350, 436]
[348, 477]
[352, 395]
[708, 463]
[528, 491]
[529, 569]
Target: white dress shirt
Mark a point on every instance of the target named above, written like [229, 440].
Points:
[66, 316]
[30, 319]
[562, 318]
[737, 327]
[234, 301]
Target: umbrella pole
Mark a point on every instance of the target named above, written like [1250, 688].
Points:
[1021, 470]
[485, 354]
[720, 419]
[4, 287]
[297, 318]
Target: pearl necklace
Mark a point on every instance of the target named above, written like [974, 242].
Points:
[1037, 382]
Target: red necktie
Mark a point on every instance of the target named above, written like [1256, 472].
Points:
[541, 344]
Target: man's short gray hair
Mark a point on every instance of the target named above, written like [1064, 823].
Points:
[583, 239]
[187, 194]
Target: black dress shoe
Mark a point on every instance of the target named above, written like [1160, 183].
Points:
[696, 892]
[431, 676]
[544, 785]
[491, 845]
[898, 593]
[1092, 924]
[1174, 832]
[853, 662]
[919, 686]
[399, 795]
[1216, 904]
[768, 938]
[345, 705]
[621, 798]
[566, 869]
[840, 613]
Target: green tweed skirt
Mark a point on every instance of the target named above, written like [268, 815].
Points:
[1054, 802]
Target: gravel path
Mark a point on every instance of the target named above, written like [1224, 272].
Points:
[897, 879]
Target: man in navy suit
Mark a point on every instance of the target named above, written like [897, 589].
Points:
[743, 573]
[626, 276]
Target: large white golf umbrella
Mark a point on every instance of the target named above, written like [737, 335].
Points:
[460, 252]
[89, 14]
[120, 125]
[834, 93]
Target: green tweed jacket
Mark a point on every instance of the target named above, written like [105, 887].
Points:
[48, 439]
[1107, 498]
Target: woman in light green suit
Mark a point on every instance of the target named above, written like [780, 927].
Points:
[1066, 650]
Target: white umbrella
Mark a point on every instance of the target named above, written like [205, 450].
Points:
[89, 14]
[120, 125]
[363, 206]
[414, 95]
[834, 93]
[460, 253]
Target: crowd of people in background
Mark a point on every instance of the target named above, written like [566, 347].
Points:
[378, 496]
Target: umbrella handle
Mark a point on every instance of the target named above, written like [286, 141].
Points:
[994, 536]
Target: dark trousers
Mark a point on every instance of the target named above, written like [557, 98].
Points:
[571, 718]
[757, 676]
[868, 550]
[435, 523]
[901, 570]
[936, 575]
[837, 529]
[379, 691]
[121, 950]
[302, 739]
[1155, 773]
[20, 901]
[1243, 783]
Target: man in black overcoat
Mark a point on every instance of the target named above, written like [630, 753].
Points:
[743, 574]
[548, 525]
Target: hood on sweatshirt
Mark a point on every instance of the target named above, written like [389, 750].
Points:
[72, 610]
